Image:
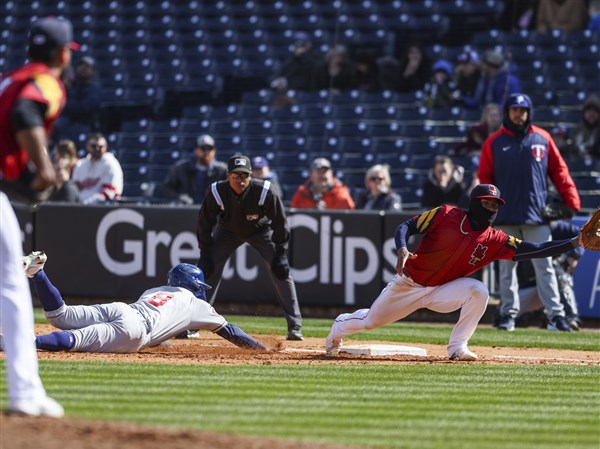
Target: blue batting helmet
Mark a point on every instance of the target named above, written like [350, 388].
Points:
[189, 277]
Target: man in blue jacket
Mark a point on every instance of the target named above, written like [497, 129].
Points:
[518, 159]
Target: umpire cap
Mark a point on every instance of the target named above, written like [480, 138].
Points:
[239, 164]
[487, 191]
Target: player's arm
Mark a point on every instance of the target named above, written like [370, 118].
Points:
[531, 250]
[27, 118]
[238, 337]
[403, 234]
[275, 211]
[485, 171]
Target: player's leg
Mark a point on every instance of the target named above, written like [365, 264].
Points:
[122, 330]
[509, 286]
[471, 297]
[26, 392]
[47, 293]
[398, 299]
[284, 288]
[545, 278]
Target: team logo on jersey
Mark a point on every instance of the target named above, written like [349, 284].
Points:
[478, 254]
[538, 152]
[252, 217]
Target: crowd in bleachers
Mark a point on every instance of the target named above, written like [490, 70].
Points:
[358, 82]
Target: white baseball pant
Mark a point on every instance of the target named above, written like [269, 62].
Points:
[16, 313]
[402, 296]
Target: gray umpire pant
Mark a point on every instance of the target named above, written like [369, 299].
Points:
[225, 244]
[545, 276]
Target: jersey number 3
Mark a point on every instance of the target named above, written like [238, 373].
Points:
[159, 299]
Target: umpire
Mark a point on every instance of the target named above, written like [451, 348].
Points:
[242, 210]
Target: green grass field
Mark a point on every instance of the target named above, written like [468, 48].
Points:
[453, 405]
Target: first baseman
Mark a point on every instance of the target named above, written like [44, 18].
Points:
[158, 315]
[455, 244]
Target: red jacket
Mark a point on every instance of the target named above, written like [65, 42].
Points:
[337, 197]
[33, 82]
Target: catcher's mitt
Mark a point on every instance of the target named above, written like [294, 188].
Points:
[590, 232]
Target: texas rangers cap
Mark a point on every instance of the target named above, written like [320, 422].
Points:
[205, 140]
[487, 191]
[259, 162]
[320, 162]
[50, 33]
[239, 164]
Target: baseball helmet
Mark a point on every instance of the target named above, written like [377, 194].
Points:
[189, 277]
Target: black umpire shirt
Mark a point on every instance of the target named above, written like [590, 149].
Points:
[256, 210]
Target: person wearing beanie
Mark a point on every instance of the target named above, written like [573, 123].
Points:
[586, 136]
[519, 159]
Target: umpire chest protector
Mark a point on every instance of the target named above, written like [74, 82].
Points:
[246, 213]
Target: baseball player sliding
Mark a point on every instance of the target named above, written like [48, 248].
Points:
[455, 244]
[159, 314]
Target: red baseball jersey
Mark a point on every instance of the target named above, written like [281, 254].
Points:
[450, 249]
[32, 82]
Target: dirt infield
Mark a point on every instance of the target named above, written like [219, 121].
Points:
[22, 433]
[214, 350]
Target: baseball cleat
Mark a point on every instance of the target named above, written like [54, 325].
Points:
[45, 406]
[295, 334]
[464, 355]
[559, 323]
[507, 323]
[332, 345]
[34, 262]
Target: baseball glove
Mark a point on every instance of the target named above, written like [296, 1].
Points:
[590, 232]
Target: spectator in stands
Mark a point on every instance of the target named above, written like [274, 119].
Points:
[84, 95]
[594, 14]
[98, 176]
[563, 15]
[466, 74]
[296, 72]
[189, 179]
[64, 190]
[518, 15]
[519, 159]
[379, 194]
[322, 190]
[489, 124]
[66, 149]
[444, 183]
[498, 81]
[564, 265]
[65, 160]
[366, 77]
[562, 141]
[586, 136]
[262, 170]
[414, 69]
[440, 91]
[335, 72]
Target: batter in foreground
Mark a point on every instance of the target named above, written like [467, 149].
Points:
[158, 315]
[455, 244]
